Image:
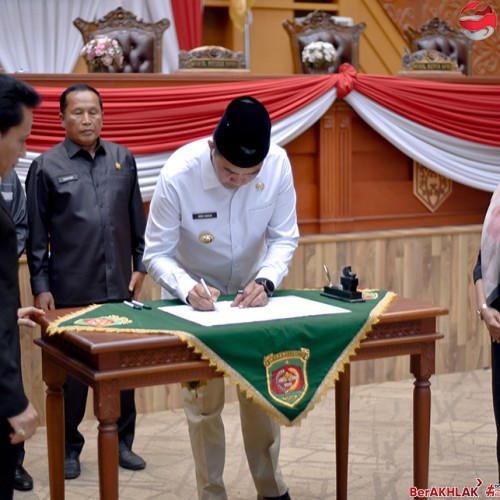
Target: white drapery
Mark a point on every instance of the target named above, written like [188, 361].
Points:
[38, 36]
[469, 163]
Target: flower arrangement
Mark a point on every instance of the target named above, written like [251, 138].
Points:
[318, 55]
[102, 52]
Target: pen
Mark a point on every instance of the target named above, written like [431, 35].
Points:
[140, 304]
[202, 281]
[133, 306]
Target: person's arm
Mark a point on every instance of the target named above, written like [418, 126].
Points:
[489, 315]
[37, 248]
[19, 213]
[162, 237]
[282, 232]
[137, 219]
[137, 227]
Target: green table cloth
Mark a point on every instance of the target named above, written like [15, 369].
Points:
[285, 365]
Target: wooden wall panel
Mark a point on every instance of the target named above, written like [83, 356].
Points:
[361, 182]
[433, 264]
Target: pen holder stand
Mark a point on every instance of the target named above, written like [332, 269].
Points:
[341, 294]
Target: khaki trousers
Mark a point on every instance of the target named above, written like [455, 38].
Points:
[261, 437]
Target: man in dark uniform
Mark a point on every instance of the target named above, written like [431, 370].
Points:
[86, 227]
[18, 418]
[12, 192]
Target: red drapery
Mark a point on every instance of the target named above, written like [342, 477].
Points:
[466, 111]
[188, 17]
[155, 120]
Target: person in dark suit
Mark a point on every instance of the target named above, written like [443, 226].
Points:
[18, 417]
[84, 204]
[12, 192]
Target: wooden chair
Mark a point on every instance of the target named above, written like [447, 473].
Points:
[211, 57]
[141, 42]
[320, 26]
[438, 35]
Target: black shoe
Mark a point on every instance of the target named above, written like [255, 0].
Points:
[22, 480]
[286, 496]
[72, 466]
[130, 460]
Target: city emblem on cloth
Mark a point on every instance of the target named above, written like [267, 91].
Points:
[286, 374]
[104, 321]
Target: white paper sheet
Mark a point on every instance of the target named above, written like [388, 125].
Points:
[278, 308]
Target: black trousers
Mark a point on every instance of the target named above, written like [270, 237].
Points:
[75, 398]
[20, 453]
[8, 461]
[495, 382]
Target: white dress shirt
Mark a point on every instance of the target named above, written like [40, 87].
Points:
[249, 232]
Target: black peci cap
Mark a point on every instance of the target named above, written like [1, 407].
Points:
[243, 134]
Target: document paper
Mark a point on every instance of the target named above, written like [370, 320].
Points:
[278, 308]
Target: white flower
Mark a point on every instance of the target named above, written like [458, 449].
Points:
[318, 54]
[103, 51]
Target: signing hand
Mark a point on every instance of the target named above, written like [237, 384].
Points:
[200, 300]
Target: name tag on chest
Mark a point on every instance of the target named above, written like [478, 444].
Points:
[205, 215]
[67, 178]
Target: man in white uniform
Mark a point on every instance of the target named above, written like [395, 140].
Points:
[224, 211]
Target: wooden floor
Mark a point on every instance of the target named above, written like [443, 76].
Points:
[433, 264]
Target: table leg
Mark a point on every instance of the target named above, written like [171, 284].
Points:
[54, 377]
[107, 411]
[342, 405]
[422, 367]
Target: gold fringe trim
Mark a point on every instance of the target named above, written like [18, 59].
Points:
[54, 327]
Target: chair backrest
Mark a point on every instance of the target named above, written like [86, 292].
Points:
[438, 35]
[320, 26]
[141, 42]
[211, 57]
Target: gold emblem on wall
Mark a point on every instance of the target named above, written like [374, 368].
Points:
[430, 188]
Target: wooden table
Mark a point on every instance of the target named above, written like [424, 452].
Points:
[111, 362]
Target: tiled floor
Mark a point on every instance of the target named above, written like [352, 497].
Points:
[380, 461]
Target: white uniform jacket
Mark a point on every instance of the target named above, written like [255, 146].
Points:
[197, 228]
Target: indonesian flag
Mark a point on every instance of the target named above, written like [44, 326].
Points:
[238, 10]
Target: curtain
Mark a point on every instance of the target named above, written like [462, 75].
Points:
[188, 16]
[38, 36]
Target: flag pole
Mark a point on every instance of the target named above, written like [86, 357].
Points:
[248, 21]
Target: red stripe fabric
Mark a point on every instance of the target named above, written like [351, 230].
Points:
[157, 120]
